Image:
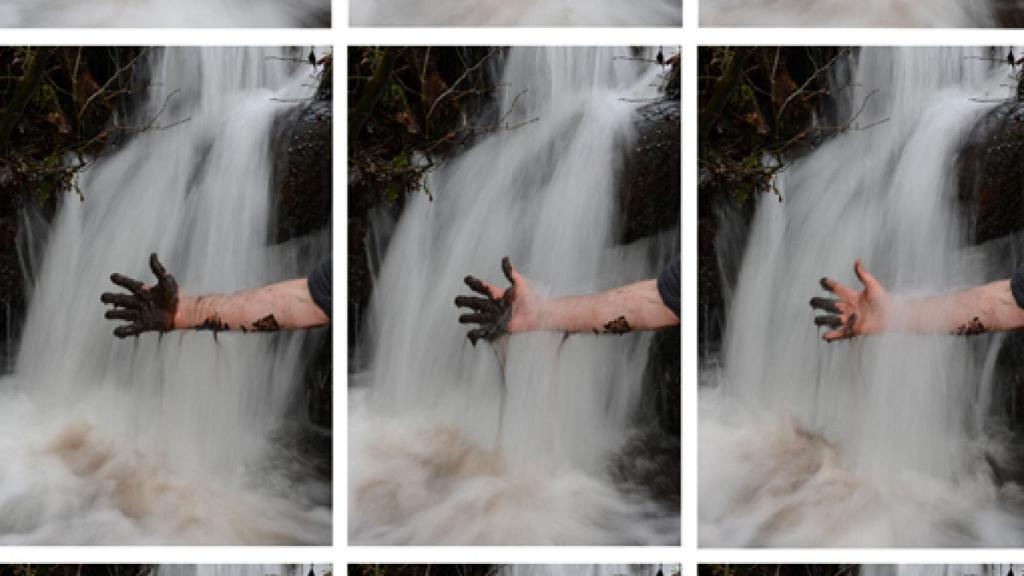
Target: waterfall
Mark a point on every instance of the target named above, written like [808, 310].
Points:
[160, 13]
[935, 570]
[874, 441]
[174, 438]
[519, 13]
[867, 13]
[589, 569]
[509, 444]
[242, 569]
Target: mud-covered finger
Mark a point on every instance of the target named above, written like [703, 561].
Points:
[157, 267]
[122, 314]
[476, 318]
[131, 284]
[476, 334]
[122, 300]
[830, 321]
[836, 288]
[477, 285]
[129, 330]
[851, 322]
[476, 303]
[506, 269]
[826, 304]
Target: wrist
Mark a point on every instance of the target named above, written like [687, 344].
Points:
[534, 316]
[183, 314]
[900, 315]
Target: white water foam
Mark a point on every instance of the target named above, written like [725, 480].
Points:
[161, 13]
[841, 13]
[516, 13]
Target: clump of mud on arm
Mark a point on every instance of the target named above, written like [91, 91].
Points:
[618, 326]
[214, 323]
[266, 324]
[973, 328]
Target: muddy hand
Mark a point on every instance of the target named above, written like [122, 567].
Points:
[492, 311]
[145, 308]
[852, 313]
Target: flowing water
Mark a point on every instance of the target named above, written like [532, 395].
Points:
[509, 444]
[243, 569]
[516, 13]
[589, 570]
[169, 439]
[161, 13]
[878, 441]
[866, 13]
[935, 570]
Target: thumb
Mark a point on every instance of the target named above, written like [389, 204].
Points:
[870, 282]
[514, 278]
[508, 270]
[511, 273]
[518, 280]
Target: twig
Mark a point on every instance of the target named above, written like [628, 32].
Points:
[807, 83]
[110, 80]
[466, 73]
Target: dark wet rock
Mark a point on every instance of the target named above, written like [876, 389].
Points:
[663, 380]
[650, 199]
[722, 233]
[649, 462]
[302, 184]
[991, 168]
[13, 297]
[302, 170]
[991, 192]
[319, 381]
[1005, 418]
[650, 192]
[1007, 14]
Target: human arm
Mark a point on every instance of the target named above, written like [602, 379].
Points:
[637, 306]
[282, 306]
[987, 308]
[162, 307]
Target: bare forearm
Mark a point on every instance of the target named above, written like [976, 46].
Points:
[628, 308]
[987, 308]
[282, 306]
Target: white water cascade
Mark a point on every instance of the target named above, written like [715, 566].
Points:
[589, 569]
[841, 13]
[243, 569]
[161, 13]
[877, 441]
[517, 13]
[448, 444]
[934, 570]
[174, 439]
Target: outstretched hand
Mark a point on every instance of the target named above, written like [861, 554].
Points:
[147, 308]
[498, 312]
[853, 313]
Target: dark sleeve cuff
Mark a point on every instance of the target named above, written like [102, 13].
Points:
[1017, 287]
[668, 285]
[320, 283]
